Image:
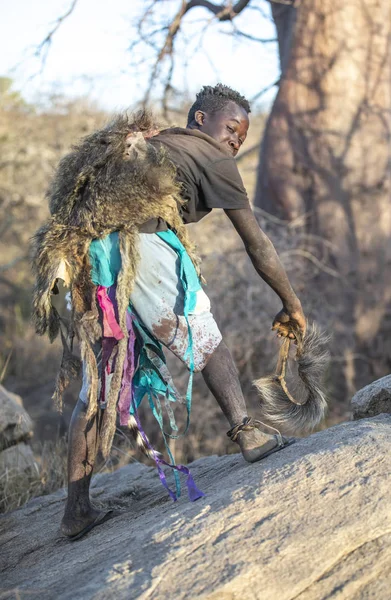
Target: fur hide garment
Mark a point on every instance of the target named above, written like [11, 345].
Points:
[113, 180]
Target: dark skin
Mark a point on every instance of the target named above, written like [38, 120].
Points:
[228, 127]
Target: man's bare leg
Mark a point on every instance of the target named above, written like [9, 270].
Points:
[82, 450]
[221, 377]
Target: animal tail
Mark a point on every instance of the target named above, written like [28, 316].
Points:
[141, 441]
[278, 406]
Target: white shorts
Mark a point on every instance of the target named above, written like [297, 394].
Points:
[158, 299]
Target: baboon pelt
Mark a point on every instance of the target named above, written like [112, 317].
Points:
[113, 180]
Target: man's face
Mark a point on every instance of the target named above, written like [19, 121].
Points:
[228, 126]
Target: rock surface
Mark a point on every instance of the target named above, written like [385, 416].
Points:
[308, 523]
[17, 458]
[374, 399]
[16, 428]
[15, 424]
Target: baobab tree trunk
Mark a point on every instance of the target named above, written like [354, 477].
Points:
[326, 151]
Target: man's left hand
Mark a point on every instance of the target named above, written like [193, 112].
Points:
[289, 320]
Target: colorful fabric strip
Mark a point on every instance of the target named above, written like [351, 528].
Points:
[111, 329]
[193, 491]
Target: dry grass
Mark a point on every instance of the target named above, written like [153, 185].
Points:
[49, 474]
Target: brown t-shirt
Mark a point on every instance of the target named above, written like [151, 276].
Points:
[209, 177]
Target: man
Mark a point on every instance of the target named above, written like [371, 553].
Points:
[203, 154]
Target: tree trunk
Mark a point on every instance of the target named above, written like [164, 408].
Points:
[325, 156]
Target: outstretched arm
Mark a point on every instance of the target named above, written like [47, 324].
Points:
[267, 264]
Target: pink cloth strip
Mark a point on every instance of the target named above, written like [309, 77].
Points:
[110, 325]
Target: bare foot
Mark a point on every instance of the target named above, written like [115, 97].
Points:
[74, 521]
[254, 444]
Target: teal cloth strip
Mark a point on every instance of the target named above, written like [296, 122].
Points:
[191, 285]
[105, 259]
[151, 373]
[189, 278]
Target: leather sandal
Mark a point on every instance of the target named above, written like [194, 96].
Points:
[249, 424]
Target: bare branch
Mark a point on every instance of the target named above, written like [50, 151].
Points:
[260, 10]
[298, 222]
[264, 90]
[247, 152]
[309, 256]
[43, 48]
[222, 12]
[253, 38]
[286, 2]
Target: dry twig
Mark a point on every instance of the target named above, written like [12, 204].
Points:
[43, 48]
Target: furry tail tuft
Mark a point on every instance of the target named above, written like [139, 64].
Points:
[279, 408]
[139, 440]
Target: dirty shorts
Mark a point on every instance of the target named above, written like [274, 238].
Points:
[158, 299]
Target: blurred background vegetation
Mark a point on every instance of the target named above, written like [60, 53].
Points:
[316, 166]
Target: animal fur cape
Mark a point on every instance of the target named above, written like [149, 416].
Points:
[113, 180]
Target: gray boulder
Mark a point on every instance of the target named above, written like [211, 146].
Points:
[15, 424]
[16, 428]
[308, 523]
[17, 458]
[374, 399]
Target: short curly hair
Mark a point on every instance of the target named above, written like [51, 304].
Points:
[212, 99]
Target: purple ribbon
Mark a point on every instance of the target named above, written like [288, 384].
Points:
[193, 491]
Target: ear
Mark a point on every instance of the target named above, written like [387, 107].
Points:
[199, 117]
